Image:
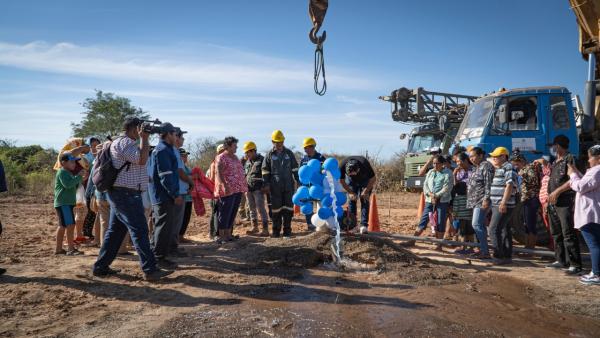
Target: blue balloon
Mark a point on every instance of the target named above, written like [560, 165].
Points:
[317, 178]
[316, 192]
[325, 213]
[314, 164]
[331, 164]
[305, 173]
[336, 173]
[327, 201]
[341, 198]
[340, 211]
[303, 192]
[306, 209]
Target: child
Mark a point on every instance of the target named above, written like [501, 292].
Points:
[65, 190]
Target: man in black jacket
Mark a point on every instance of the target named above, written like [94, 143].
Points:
[255, 195]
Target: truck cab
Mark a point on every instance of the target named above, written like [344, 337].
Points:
[526, 119]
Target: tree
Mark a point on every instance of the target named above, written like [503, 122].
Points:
[203, 152]
[105, 114]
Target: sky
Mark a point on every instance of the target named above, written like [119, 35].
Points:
[245, 68]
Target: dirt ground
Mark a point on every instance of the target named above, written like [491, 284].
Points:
[283, 288]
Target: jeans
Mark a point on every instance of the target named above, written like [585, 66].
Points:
[591, 234]
[566, 243]
[530, 209]
[256, 201]
[228, 208]
[479, 219]
[126, 214]
[166, 218]
[214, 222]
[501, 233]
[442, 212]
[364, 202]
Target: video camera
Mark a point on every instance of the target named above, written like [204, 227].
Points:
[151, 127]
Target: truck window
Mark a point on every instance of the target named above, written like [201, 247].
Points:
[522, 113]
[559, 113]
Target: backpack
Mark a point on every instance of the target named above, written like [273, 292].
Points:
[104, 173]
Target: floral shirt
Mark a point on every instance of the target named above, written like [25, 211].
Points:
[479, 185]
[231, 170]
[530, 185]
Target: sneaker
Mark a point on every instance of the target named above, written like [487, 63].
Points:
[589, 275]
[590, 280]
[74, 252]
[166, 264]
[157, 274]
[573, 271]
[556, 265]
[287, 236]
[105, 272]
[363, 230]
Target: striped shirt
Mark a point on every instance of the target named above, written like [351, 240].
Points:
[502, 177]
[123, 150]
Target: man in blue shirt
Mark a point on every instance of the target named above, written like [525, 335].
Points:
[311, 153]
[167, 198]
[185, 182]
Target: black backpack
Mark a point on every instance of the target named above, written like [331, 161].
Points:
[104, 173]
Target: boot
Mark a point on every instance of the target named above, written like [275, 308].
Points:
[254, 229]
[265, 231]
[276, 224]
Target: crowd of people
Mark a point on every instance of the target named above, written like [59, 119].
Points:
[123, 191]
[481, 197]
[148, 203]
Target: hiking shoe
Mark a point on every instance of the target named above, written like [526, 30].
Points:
[74, 252]
[166, 264]
[574, 271]
[556, 265]
[264, 233]
[363, 230]
[590, 280]
[105, 272]
[157, 274]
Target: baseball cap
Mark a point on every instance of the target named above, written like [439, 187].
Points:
[68, 157]
[182, 151]
[166, 128]
[499, 151]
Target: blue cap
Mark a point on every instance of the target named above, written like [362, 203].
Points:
[68, 157]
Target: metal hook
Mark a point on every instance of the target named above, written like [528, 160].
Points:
[317, 40]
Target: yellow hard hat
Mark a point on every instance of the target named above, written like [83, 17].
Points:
[499, 151]
[277, 136]
[309, 141]
[249, 146]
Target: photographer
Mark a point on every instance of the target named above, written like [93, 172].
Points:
[126, 208]
[168, 202]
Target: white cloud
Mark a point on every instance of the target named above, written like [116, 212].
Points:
[239, 70]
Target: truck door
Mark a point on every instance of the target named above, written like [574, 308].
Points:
[560, 120]
[525, 125]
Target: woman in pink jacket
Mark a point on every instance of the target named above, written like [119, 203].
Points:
[587, 210]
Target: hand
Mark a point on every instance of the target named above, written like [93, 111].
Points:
[144, 135]
[353, 196]
[364, 195]
[502, 208]
[552, 198]
[571, 169]
[432, 196]
[485, 204]
[179, 200]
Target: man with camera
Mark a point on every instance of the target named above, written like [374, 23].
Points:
[126, 208]
[166, 197]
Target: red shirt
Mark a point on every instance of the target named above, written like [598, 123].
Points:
[231, 170]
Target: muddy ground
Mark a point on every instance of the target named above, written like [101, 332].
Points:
[275, 287]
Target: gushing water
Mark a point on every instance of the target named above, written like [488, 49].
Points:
[337, 250]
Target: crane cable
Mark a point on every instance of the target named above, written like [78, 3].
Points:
[320, 71]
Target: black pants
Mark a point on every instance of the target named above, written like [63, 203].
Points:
[500, 233]
[282, 210]
[566, 243]
[165, 222]
[187, 215]
[214, 222]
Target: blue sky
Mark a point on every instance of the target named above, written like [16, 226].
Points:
[244, 68]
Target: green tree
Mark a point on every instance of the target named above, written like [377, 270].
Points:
[105, 114]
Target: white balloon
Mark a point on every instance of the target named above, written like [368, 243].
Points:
[317, 221]
[331, 223]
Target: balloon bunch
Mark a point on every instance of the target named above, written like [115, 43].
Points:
[322, 185]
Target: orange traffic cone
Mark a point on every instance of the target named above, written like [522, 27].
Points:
[373, 215]
[421, 206]
[296, 210]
